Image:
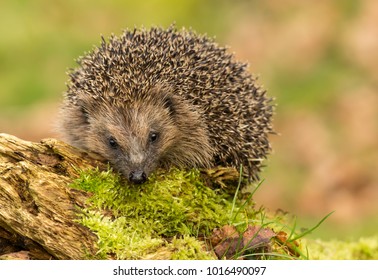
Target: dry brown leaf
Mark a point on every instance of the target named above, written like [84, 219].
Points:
[229, 244]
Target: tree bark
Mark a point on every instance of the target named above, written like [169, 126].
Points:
[37, 207]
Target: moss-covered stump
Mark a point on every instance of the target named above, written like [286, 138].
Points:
[51, 210]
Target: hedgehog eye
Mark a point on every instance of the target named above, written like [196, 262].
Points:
[112, 142]
[153, 137]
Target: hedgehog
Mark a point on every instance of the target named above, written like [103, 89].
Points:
[160, 98]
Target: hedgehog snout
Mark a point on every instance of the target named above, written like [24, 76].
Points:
[137, 164]
[137, 177]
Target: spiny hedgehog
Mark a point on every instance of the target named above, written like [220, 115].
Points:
[166, 97]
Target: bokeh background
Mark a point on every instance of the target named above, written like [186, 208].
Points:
[319, 59]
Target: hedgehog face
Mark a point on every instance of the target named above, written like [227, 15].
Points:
[132, 136]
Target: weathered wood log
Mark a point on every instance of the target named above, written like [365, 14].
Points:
[37, 207]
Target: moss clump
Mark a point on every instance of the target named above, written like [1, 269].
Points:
[176, 202]
[131, 221]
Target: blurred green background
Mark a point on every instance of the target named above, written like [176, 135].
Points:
[319, 59]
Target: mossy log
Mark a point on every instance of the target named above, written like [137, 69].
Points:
[37, 208]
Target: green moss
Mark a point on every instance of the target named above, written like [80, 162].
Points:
[189, 248]
[117, 239]
[366, 248]
[171, 203]
[133, 221]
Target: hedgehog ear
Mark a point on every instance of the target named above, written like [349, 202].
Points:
[165, 94]
[84, 107]
[169, 103]
[84, 114]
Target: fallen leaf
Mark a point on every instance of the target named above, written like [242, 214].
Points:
[230, 244]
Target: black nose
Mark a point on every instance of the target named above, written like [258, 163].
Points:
[137, 177]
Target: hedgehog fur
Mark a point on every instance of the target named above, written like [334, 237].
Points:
[166, 97]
